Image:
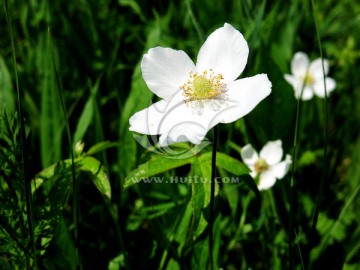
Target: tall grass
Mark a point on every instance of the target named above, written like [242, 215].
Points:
[88, 84]
[25, 153]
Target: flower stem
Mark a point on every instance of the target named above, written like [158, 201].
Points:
[292, 190]
[326, 139]
[212, 197]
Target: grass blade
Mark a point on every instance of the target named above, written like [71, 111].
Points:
[27, 183]
[74, 181]
[324, 167]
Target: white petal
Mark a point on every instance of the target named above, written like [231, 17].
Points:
[225, 51]
[253, 173]
[267, 180]
[179, 121]
[296, 83]
[148, 121]
[307, 93]
[315, 68]
[272, 152]
[165, 70]
[319, 87]
[299, 64]
[242, 97]
[281, 169]
[249, 155]
[183, 132]
[293, 81]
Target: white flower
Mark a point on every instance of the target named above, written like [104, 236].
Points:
[267, 164]
[195, 98]
[309, 76]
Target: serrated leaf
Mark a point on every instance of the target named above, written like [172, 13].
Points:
[156, 165]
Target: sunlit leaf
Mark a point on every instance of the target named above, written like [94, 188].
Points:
[101, 146]
[156, 165]
[100, 177]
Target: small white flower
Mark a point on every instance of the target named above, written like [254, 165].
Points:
[267, 164]
[195, 98]
[309, 76]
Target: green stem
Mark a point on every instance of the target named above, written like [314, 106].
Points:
[27, 183]
[324, 168]
[212, 197]
[291, 199]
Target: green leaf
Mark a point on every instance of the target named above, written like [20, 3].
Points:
[52, 122]
[251, 184]
[61, 251]
[232, 195]
[117, 263]
[49, 208]
[101, 179]
[237, 168]
[101, 146]
[200, 196]
[274, 117]
[354, 266]
[231, 164]
[7, 99]
[157, 164]
[134, 6]
[201, 191]
[87, 114]
[87, 164]
[138, 99]
[84, 120]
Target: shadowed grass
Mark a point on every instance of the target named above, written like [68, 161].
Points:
[74, 181]
[325, 134]
[310, 222]
[25, 154]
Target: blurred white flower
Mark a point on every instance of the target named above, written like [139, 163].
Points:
[309, 76]
[267, 164]
[195, 98]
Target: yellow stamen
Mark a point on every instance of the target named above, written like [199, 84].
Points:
[261, 165]
[308, 79]
[207, 85]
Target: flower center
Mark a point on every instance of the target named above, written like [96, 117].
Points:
[261, 165]
[207, 85]
[308, 79]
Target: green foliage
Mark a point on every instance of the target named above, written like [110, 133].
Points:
[97, 47]
[51, 189]
[6, 90]
[14, 233]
